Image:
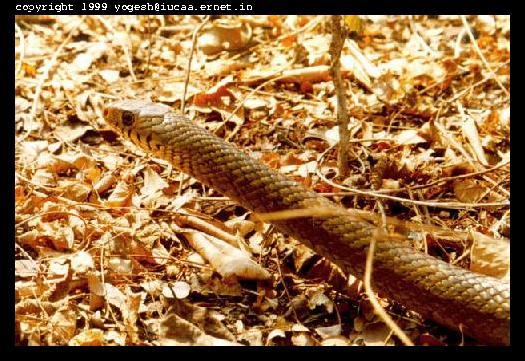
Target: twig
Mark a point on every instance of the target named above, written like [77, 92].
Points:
[480, 54]
[188, 70]
[443, 132]
[446, 205]
[244, 100]
[466, 90]
[446, 179]
[291, 98]
[278, 263]
[106, 23]
[336, 46]
[437, 181]
[210, 229]
[457, 45]
[23, 252]
[420, 39]
[22, 49]
[367, 216]
[370, 293]
[127, 53]
[149, 47]
[302, 213]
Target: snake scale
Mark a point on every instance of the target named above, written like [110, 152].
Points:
[477, 305]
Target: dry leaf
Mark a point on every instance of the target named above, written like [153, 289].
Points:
[335, 341]
[75, 190]
[171, 92]
[329, 331]
[408, 137]
[31, 150]
[220, 38]
[63, 323]
[104, 183]
[470, 132]
[93, 337]
[273, 334]
[70, 133]
[61, 236]
[377, 334]
[83, 61]
[225, 259]
[223, 67]
[121, 195]
[43, 177]
[253, 335]
[316, 297]
[176, 331]
[81, 262]
[181, 289]
[110, 76]
[119, 265]
[26, 268]
[160, 254]
[153, 182]
[350, 64]
[240, 225]
[468, 190]
[153, 287]
[303, 339]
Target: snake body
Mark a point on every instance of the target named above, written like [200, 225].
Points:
[475, 304]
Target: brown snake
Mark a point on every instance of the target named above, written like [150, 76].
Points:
[477, 305]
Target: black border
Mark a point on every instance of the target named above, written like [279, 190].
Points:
[263, 7]
[300, 7]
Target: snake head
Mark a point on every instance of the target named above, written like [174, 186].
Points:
[134, 119]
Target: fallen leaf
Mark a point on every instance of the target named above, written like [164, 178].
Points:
[110, 76]
[468, 190]
[377, 334]
[70, 133]
[26, 268]
[93, 337]
[219, 38]
[153, 182]
[121, 266]
[408, 137]
[181, 289]
[335, 341]
[31, 150]
[177, 331]
[225, 259]
[64, 325]
[470, 132]
[329, 331]
[121, 195]
[81, 262]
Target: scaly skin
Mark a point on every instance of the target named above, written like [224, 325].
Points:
[477, 305]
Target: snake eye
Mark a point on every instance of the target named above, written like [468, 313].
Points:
[127, 118]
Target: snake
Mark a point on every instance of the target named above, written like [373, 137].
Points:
[461, 300]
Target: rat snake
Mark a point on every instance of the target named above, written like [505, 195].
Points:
[477, 305]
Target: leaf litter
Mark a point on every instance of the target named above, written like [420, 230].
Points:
[114, 247]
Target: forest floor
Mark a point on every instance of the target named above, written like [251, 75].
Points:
[113, 247]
